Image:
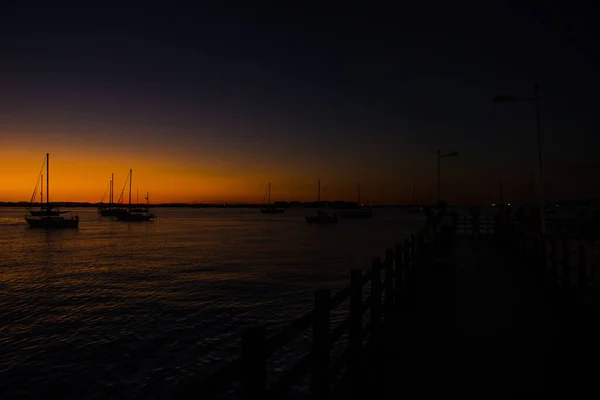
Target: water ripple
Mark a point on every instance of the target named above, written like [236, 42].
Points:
[134, 310]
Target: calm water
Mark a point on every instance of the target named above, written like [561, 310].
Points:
[118, 309]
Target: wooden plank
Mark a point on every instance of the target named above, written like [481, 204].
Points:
[582, 270]
[398, 275]
[319, 387]
[355, 331]
[406, 264]
[375, 314]
[389, 279]
[553, 261]
[566, 263]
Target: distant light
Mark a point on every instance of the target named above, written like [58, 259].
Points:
[493, 204]
[509, 204]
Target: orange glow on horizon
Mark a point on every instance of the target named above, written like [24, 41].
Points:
[84, 177]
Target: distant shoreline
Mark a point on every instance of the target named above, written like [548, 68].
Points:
[208, 205]
[291, 204]
[283, 204]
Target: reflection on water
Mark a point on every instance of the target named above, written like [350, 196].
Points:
[116, 308]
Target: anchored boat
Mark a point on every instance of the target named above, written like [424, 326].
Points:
[135, 214]
[270, 208]
[48, 216]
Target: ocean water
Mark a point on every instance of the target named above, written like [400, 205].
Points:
[131, 310]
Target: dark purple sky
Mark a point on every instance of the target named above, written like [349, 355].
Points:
[346, 92]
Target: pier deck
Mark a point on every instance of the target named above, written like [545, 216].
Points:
[496, 317]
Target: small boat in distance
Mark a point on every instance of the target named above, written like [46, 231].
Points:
[111, 210]
[135, 214]
[354, 210]
[270, 208]
[321, 217]
[48, 216]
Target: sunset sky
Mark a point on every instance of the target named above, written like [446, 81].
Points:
[209, 104]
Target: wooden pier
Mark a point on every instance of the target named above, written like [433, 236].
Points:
[499, 313]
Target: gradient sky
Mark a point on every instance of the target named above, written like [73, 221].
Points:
[209, 103]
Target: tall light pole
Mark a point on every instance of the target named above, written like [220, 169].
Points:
[439, 157]
[505, 98]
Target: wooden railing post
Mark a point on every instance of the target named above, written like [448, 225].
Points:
[421, 242]
[553, 261]
[406, 264]
[419, 248]
[389, 279]
[375, 297]
[319, 387]
[253, 363]
[407, 254]
[398, 275]
[566, 268]
[543, 256]
[355, 330]
[582, 270]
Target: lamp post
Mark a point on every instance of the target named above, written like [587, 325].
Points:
[505, 98]
[439, 157]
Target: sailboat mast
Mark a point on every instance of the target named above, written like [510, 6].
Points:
[319, 191]
[130, 177]
[137, 198]
[112, 188]
[42, 192]
[269, 193]
[48, 179]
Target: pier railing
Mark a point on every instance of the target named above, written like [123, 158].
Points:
[466, 225]
[553, 226]
[570, 265]
[388, 279]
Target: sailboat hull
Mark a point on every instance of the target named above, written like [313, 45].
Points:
[53, 223]
[47, 213]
